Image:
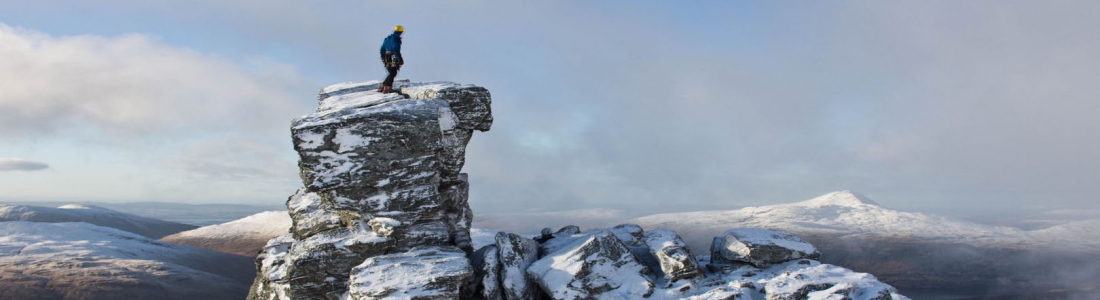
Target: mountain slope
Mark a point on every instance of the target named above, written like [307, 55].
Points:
[85, 261]
[148, 227]
[1085, 232]
[245, 236]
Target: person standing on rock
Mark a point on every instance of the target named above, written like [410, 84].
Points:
[391, 57]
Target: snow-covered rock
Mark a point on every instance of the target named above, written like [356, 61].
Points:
[422, 273]
[760, 247]
[384, 214]
[307, 217]
[793, 280]
[597, 264]
[246, 236]
[148, 227]
[381, 176]
[674, 259]
[486, 264]
[597, 267]
[517, 253]
[85, 261]
[827, 282]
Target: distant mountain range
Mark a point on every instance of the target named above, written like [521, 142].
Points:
[84, 252]
[846, 214]
[85, 261]
[187, 213]
[148, 227]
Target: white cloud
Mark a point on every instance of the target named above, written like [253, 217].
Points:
[131, 84]
[16, 164]
[150, 105]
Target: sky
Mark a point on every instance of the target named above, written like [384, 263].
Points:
[948, 106]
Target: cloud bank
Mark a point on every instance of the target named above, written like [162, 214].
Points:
[16, 164]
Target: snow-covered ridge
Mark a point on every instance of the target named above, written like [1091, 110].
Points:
[149, 227]
[244, 236]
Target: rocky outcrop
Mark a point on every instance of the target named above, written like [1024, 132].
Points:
[422, 273]
[760, 247]
[486, 283]
[673, 257]
[597, 267]
[384, 214]
[516, 254]
[382, 194]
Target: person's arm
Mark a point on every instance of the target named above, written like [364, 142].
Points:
[397, 48]
[382, 50]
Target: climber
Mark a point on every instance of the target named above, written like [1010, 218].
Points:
[546, 236]
[391, 57]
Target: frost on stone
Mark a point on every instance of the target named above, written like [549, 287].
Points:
[673, 257]
[597, 267]
[517, 253]
[828, 282]
[472, 104]
[307, 216]
[760, 247]
[421, 273]
[486, 263]
[383, 226]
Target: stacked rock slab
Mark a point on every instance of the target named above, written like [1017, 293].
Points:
[382, 188]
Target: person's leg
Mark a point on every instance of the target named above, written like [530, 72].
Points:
[389, 78]
[388, 83]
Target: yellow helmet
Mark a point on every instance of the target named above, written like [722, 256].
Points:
[399, 28]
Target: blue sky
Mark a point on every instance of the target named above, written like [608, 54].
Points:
[620, 104]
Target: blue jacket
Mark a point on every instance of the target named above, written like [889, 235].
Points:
[392, 44]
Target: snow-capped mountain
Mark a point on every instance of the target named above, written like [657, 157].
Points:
[245, 236]
[838, 214]
[912, 251]
[149, 227]
[85, 261]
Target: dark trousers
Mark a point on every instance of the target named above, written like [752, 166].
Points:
[389, 78]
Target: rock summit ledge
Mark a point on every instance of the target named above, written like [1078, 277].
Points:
[383, 214]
